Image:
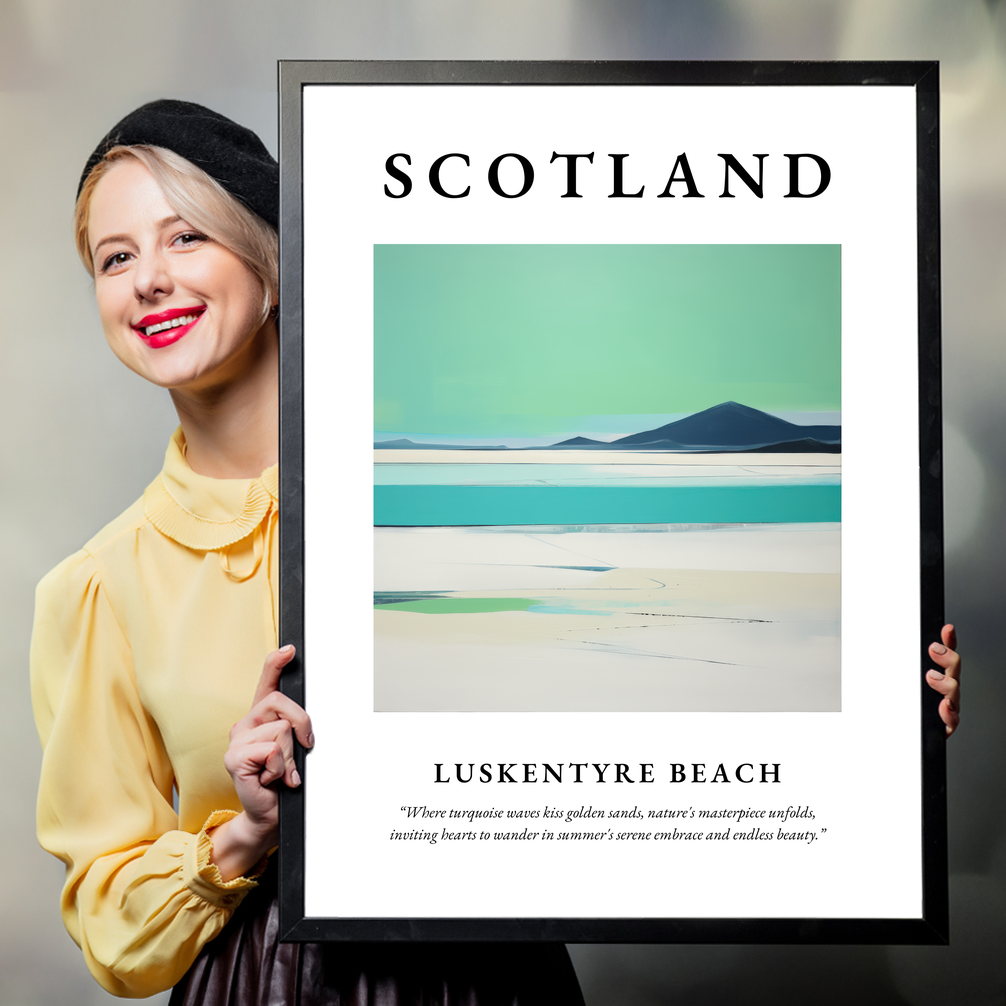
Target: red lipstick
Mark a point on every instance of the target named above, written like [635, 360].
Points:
[165, 333]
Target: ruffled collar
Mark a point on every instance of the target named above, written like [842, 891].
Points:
[203, 513]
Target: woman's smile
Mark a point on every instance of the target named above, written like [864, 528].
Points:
[159, 330]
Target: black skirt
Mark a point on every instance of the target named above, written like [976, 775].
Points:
[246, 965]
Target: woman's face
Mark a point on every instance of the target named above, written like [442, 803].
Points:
[177, 308]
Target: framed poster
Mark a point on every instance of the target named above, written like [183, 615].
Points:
[611, 501]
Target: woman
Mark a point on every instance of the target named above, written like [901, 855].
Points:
[149, 642]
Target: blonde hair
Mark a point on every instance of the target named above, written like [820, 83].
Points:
[199, 200]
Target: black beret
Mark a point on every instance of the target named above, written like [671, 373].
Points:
[231, 154]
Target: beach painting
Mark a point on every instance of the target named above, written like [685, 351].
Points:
[607, 478]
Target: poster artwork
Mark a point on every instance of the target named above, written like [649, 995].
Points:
[607, 477]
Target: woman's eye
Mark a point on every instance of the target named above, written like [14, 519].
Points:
[190, 238]
[114, 261]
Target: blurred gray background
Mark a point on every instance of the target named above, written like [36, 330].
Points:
[83, 436]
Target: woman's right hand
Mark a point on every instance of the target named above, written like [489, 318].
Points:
[259, 754]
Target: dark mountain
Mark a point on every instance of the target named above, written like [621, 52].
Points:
[580, 442]
[399, 444]
[725, 427]
[728, 427]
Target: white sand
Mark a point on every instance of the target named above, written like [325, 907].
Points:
[638, 637]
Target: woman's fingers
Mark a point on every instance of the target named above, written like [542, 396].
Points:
[261, 749]
[260, 761]
[947, 680]
[277, 706]
[948, 708]
[278, 735]
[949, 636]
[946, 686]
[274, 766]
[271, 671]
[951, 718]
[945, 655]
[270, 703]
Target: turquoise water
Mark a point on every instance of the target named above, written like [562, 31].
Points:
[449, 506]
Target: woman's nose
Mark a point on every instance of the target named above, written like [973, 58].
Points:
[152, 277]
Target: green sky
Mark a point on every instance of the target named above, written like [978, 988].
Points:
[522, 340]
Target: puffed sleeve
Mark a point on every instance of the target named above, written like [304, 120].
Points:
[141, 898]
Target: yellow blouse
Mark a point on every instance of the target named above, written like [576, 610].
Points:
[147, 647]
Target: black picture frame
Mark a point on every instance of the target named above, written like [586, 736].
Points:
[931, 926]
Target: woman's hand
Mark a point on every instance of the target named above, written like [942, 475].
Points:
[260, 753]
[948, 681]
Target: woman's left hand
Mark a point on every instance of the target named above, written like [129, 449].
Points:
[948, 681]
